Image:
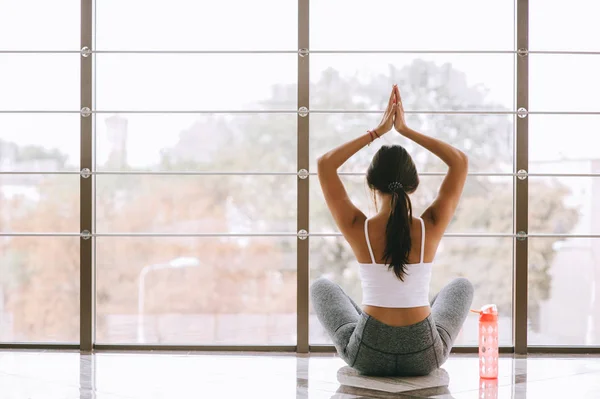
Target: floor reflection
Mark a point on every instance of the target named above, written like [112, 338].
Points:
[70, 375]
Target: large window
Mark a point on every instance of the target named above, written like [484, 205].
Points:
[464, 98]
[39, 206]
[564, 256]
[197, 139]
[196, 197]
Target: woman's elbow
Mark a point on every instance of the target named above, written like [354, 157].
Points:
[322, 162]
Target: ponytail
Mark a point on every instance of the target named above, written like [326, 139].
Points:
[397, 232]
[393, 172]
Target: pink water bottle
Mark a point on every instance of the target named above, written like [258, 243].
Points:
[488, 342]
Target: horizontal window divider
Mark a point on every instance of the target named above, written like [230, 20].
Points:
[563, 174]
[27, 172]
[293, 111]
[486, 235]
[247, 111]
[564, 112]
[418, 112]
[507, 174]
[40, 51]
[455, 112]
[20, 111]
[291, 51]
[193, 173]
[35, 234]
[266, 234]
[276, 234]
[466, 235]
[239, 173]
[412, 51]
[130, 234]
[194, 348]
[550, 235]
[38, 346]
[532, 349]
[133, 234]
[150, 173]
[290, 111]
[567, 350]
[295, 51]
[561, 52]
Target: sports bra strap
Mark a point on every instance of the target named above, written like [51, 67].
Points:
[369, 241]
[422, 240]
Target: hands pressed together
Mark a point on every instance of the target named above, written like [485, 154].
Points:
[393, 115]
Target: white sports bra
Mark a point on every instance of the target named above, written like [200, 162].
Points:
[382, 288]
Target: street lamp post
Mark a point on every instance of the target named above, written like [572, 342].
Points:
[177, 263]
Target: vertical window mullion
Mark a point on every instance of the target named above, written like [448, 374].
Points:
[520, 282]
[86, 329]
[303, 184]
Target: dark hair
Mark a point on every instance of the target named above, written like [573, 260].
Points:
[392, 171]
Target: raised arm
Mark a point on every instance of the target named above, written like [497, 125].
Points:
[344, 212]
[442, 210]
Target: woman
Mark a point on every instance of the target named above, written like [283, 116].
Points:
[397, 331]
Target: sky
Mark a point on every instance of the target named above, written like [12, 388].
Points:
[241, 81]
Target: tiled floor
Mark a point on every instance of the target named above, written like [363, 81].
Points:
[69, 375]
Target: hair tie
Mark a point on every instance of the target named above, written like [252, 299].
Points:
[395, 186]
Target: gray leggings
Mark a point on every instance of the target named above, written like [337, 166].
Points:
[374, 348]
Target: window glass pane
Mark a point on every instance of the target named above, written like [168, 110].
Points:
[40, 25]
[192, 142]
[487, 139]
[39, 142]
[204, 291]
[412, 25]
[563, 296]
[564, 205]
[556, 25]
[428, 82]
[196, 204]
[561, 82]
[46, 82]
[155, 82]
[564, 143]
[39, 203]
[486, 262]
[481, 195]
[197, 25]
[39, 288]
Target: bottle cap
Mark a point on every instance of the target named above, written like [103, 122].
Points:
[487, 313]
